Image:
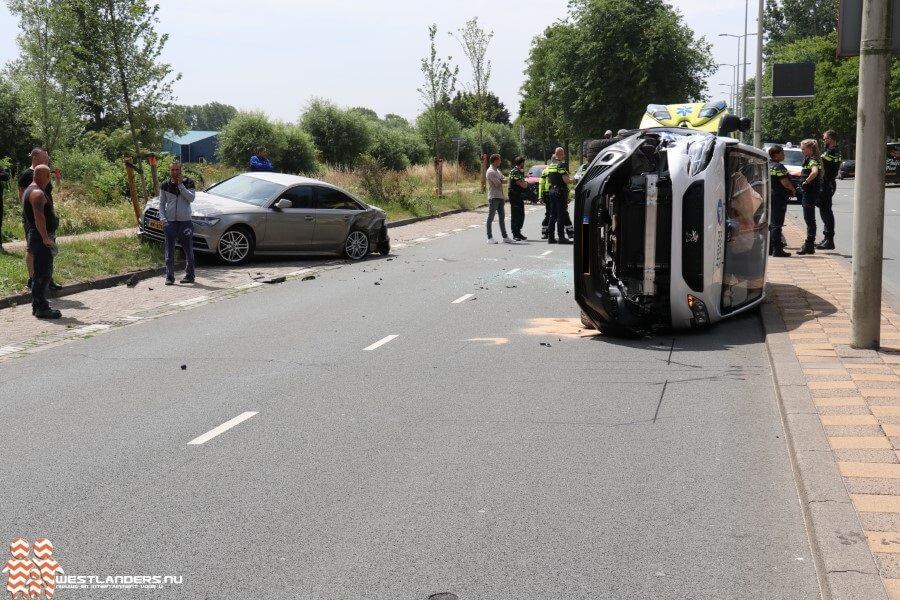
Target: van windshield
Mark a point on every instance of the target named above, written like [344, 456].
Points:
[746, 230]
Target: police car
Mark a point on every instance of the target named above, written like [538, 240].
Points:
[672, 230]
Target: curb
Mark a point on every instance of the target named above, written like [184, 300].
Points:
[114, 280]
[77, 288]
[844, 563]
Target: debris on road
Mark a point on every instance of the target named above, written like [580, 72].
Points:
[132, 281]
[546, 344]
[184, 367]
[308, 278]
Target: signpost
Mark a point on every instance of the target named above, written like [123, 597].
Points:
[458, 141]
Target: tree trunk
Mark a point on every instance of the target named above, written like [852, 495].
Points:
[126, 94]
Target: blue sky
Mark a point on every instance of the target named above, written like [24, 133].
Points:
[274, 55]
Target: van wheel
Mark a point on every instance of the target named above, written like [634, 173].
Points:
[586, 321]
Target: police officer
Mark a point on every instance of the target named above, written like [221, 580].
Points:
[812, 187]
[517, 187]
[558, 194]
[831, 163]
[782, 189]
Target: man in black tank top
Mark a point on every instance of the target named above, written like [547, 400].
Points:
[39, 156]
[40, 225]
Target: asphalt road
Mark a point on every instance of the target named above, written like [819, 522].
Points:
[480, 452]
[843, 215]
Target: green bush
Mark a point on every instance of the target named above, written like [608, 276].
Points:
[243, 134]
[80, 165]
[438, 128]
[341, 136]
[388, 148]
[290, 149]
[296, 152]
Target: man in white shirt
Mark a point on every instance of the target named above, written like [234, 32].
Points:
[496, 199]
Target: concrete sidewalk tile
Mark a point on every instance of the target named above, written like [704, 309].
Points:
[797, 399]
[880, 410]
[839, 538]
[872, 470]
[829, 420]
[891, 429]
[876, 503]
[832, 385]
[840, 401]
[884, 541]
[807, 432]
[826, 372]
[820, 477]
[892, 392]
[860, 442]
[893, 588]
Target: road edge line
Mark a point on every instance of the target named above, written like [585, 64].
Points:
[808, 479]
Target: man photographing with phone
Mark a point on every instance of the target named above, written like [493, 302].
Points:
[175, 197]
[40, 226]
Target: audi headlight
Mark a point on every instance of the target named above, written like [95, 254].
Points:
[204, 221]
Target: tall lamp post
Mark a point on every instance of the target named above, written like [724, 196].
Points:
[730, 91]
[736, 104]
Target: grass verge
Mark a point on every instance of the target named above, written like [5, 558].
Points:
[83, 261]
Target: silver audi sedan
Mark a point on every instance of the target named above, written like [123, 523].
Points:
[273, 213]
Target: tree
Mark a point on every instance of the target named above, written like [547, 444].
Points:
[41, 72]
[91, 70]
[437, 127]
[366, 113]
[787, 21]
[211, 116]
[16, 141]
[145, 82]
[435, 123]
[600, 68]
[475, 41]
[295, 151]
[388, 147]
[396, 121]
[463, 107]
[340, 135]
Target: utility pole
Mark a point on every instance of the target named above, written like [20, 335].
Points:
[757, 104]
[744, 77]
[868, 204]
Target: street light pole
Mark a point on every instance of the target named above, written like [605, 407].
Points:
[744, 78]
[868, 203]
[757, 103]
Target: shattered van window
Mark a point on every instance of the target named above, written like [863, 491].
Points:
[746, 230]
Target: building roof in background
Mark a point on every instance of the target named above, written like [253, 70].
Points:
[190, 137]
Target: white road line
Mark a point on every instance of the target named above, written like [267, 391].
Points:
[133, 318]
[221, 428]
[399, 246]
[190, 301]
[440, 234]
[547, 253]
[10, 350]
[90, 329]
[458, 230]
[248, 286]
[422, 239]
[476, 225]
[462, 299]
[296, 273]
[514, 271]
[380, 343]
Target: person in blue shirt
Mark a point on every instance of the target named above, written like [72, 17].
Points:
[259, 161]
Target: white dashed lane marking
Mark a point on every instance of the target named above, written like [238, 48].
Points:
[10, 350]
[421, 239]
[462, 299]
[547, 253]
[380, 343]
[222, 428]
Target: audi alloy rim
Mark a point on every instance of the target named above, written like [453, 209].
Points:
[357, 245]
[234, 246]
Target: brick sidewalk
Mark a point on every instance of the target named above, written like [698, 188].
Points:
[92, 312]
[856, 392]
